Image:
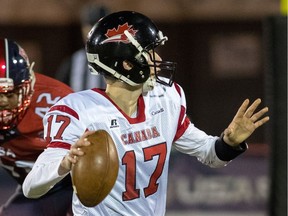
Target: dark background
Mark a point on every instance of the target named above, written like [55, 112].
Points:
[213, 92]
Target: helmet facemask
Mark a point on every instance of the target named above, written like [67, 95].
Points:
[10, 118]
[163, 70]
[16, 83]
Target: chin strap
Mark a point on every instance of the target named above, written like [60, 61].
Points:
[148, 85]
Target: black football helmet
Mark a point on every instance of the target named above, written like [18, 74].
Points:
[130, 36]
[16, 76]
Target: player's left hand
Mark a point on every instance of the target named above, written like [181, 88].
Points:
[245, 122]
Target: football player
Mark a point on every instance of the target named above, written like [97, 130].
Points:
[25, 97]
[143, 110]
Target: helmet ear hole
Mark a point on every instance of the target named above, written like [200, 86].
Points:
[127, 65]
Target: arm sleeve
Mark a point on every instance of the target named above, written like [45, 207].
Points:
[61, 130]
[44, 174]
[209, 150]
[196, 142]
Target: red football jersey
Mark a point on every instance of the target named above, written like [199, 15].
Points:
[20, 147]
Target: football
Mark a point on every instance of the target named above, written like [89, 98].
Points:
[95, 173]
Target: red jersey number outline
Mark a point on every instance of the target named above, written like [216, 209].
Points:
[129, 160]
[64, 120]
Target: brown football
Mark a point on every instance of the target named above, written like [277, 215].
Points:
[95, 173]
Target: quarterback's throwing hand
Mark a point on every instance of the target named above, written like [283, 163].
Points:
[74, 152]
[245, 122]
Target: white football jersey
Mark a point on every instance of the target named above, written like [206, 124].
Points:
[143, 143]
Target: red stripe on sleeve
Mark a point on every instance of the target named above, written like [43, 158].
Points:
[65, 109]
[182, 128]
[177, 88]
[59, 145]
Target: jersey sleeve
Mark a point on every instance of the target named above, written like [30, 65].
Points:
[193, 141]
[61, 129]
[210, 150]
[196, 142]
[62, 125]
[183, 121]
[45, 170]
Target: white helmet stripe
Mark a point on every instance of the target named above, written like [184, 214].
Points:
[137, 45]
[133, 41]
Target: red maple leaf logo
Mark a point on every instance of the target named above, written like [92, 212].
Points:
[117, 35]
